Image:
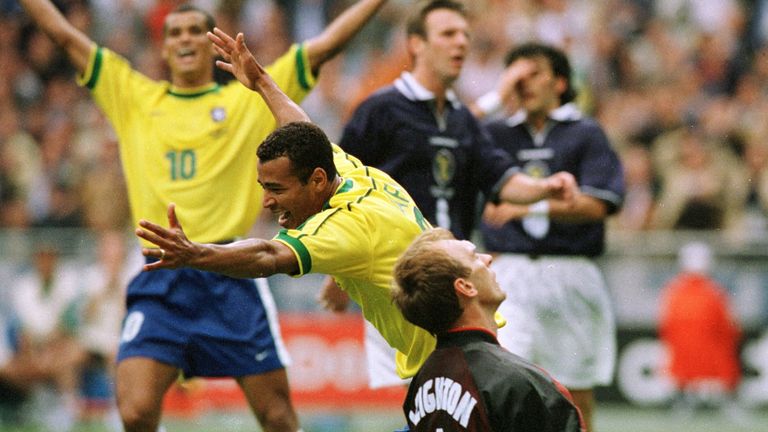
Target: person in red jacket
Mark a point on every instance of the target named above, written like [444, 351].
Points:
[699, 331]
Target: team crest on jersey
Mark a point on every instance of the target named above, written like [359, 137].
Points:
[218, 114]
[536, 169]
[443, 167]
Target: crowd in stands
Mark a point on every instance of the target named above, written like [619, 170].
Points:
[680, 86]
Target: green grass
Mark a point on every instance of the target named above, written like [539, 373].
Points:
[610, 418]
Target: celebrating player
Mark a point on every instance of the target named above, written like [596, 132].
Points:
[339, 216]
[193, 141]
[420, 133]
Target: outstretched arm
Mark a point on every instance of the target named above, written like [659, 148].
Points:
[339, 32]
[240, 62]
[247, 258]
[76, 44]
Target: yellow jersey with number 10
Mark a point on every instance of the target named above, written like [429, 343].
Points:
[193, 147]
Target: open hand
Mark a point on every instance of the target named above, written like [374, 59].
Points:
[332, 297]
[238, 59]
[173, 248]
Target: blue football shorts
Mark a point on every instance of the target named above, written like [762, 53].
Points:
[206, 324]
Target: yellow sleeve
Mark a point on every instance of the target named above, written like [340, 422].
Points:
[292, 72]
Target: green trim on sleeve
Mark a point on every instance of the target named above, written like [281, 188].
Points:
[300, 67]
[305, 259]
[97, 61]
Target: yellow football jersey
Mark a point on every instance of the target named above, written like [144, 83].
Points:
[357, 239]
[192, 147]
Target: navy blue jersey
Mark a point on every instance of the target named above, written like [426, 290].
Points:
[569, 143]
[443, 162]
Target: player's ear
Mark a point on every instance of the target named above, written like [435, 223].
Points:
[561, 85]
[464, 288]
[318, 178]
[415, 44]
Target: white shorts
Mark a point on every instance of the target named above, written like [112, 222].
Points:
[559, 316]
[380, 358]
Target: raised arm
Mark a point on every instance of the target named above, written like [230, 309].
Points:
[240, 62]
[249, 258]
[339, 32]
[76, 44]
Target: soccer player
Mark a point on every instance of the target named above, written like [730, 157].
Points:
[339, 217]
[417, 131]
[469, 383]
[193, 141]
[558, 307]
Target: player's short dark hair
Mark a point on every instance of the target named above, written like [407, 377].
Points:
[424, 278]
[304, 144]
[561, 67]
[416, 23]
[210, 22]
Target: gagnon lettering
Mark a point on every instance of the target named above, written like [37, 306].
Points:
[442, 394]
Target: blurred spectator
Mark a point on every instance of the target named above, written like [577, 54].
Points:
[641, 189]
[755, 158]
[699, 331]
[703, 187]
[649, 66]
[103, 193]
[46, 302]
[53, 196]
[21, 370]
[104, 306]
[102, 315]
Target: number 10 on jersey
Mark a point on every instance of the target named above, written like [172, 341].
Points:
[183, 164]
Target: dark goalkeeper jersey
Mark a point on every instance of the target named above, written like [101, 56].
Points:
[470, 383]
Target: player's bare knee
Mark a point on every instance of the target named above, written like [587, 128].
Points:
[279, 417]
[138, 415]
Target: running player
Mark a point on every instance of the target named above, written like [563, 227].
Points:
[193, 141]
[339, 217]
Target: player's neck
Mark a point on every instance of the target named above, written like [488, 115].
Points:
[537, 120]
[439, 87]
[476, 317]
[190, 81]
[334, 185]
